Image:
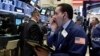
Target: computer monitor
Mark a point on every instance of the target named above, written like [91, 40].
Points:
[43, 18]
[35, 1]
[32, 3]
[18, 21]
[1, 1]
[48, 13]
[52, 12]
[43, 11]
[26, 1]
[20, 10]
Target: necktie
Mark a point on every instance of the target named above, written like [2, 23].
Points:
[60, 38]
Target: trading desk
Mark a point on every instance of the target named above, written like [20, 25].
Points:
[4, 40]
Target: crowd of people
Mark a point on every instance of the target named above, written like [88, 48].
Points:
[67, 38]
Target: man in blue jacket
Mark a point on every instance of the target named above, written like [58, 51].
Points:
[67, 38]
[96, 41]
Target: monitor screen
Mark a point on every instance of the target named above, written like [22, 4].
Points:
[33, 3]
[18, 21]
[43, 11]
[44, 18]
[48, 13]
[19, 10]
[52, 12]
[34, 0]
[26, 1]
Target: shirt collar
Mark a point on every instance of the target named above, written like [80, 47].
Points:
[33, 20]
[66, 24]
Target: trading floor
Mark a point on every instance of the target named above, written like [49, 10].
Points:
[49, 27]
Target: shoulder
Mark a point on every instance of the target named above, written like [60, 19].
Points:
[96, 30]
[32, 22]
[78, 30]
[98, 26]
[32, 25]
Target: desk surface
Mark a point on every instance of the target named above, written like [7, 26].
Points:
[7, 35]
[4, 40]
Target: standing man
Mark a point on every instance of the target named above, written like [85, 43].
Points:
[67, 38]
[30, 31]
[95, 38]
[79, 22]
[96, 41]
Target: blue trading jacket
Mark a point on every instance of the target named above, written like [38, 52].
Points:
[71, 45]
[96, 37]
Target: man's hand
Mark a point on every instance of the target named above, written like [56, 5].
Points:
[53, 24]
[41, 52]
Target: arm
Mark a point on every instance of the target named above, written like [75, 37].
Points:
[75, 45]
[51, 38]
[79, 43]
[36, 33]
[95, 39]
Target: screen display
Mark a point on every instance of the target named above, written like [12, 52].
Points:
[52, 12]
[48, 13]
[18, 21]
[34, 0]
[43, 11]
[33, 3]
[19, 10]
[44, 18]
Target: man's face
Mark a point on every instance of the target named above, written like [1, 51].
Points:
[93, 21]
[58, 16]
[37, 15]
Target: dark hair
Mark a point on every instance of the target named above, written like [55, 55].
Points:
[97, 20]
[67, 8]
[34, 12]
[26, 18]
